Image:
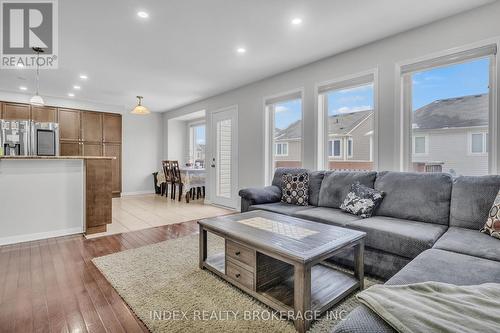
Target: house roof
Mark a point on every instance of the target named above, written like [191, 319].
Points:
[340, 124]
[466, 111]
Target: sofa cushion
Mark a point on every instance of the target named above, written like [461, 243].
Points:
[470, 242]
[315, 180]
[295, 190]
[431, 265]
[336, 185]
[279, 207]
[327, 215]
[279, 172]
[402, 237]
[421, 197]
[471, 200]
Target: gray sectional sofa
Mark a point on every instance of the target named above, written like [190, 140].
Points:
[426, 228]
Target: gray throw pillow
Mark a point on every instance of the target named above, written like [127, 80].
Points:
[295, 190]
[361, 200]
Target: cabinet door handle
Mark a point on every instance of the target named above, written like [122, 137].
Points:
[238, 253]
[237, 275]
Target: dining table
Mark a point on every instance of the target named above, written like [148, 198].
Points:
[191, 178]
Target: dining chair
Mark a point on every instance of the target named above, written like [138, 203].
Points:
[176, 179]
[167, 171]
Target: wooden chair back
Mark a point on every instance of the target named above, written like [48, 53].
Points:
[167, 170]
[176, 172]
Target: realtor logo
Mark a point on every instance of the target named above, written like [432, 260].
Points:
[28, 24]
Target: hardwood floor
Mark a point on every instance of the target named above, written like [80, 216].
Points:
[52, 285]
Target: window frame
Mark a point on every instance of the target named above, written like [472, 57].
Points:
[350, 81]
[403, 98]
[331, 152]
[426, 144]
[192, 138]
[268, 106]
[484, 143]
[282, 144]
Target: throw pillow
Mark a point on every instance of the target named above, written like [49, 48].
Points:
[295, 189]
[492, 226]
[362, 200]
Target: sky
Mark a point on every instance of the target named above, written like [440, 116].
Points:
[470, 78]
[200, 134]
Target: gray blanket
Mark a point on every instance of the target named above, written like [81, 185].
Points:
[436, 307]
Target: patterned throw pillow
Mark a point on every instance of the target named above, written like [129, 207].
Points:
[361, 200]
[492, 226]
[295, 189]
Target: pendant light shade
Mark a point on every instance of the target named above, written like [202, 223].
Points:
[37, 100]
[140, 109]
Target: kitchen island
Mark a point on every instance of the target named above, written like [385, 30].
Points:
[51, 196]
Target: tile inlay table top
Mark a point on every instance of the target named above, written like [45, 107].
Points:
[279, 260]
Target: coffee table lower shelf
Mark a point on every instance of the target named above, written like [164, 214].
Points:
[328, 286]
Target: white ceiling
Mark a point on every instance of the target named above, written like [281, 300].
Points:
[185, 51]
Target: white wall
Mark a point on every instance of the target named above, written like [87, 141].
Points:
[470, 27]
[177, 135]
[142, 140]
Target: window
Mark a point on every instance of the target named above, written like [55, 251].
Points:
[347, 123]
[282, 149]
[478, 143]
[197, 144]
[284, 132]
[334, 148]
[447, 102]
[420, 145]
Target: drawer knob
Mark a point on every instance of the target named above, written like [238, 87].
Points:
[238, 253]
[237, 275]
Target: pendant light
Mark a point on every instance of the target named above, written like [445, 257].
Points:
[140, 109]
[37, 99]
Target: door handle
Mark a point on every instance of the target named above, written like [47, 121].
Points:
[213, 163]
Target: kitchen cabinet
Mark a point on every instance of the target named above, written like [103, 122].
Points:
[15, 111]
[44, 114]
[115, 150]
[92, 149]
[70, 148]
[112, 128]
[91, 130]
[69, 125]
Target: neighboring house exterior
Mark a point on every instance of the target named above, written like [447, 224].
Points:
[451, 135]
[350, 142]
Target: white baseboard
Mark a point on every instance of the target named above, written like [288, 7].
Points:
[40, 235]
[126, 194]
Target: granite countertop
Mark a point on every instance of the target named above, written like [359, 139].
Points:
[56, 158]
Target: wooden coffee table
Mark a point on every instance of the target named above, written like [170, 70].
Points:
[278, 259]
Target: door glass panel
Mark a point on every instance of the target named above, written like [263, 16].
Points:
[223, 170]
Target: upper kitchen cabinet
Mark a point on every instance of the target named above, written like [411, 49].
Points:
[14, 111]
[112, 128]
[69, 125]
[44, 114]
[91, 126]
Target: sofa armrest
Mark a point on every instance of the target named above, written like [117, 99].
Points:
[261, 195]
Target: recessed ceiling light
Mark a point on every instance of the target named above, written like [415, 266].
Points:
[83, 77]
[241, 50]
[77, 87]
[23, 88]
[142, 14]
[296, 21]
[71, 95]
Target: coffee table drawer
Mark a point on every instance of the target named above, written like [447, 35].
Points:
[239, 274]
[240, 253]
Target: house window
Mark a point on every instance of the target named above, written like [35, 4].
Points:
[347, 111]
[447, 106]
[281, 149]
[334, 148]
[478, 143]
[284, 123]
[420, 145]
[197, 144]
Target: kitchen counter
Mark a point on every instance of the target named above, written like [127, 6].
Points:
[56, 158]
[51, 196]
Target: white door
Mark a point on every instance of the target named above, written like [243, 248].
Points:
[223, 161]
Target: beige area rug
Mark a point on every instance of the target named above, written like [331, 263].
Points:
[165, 288]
